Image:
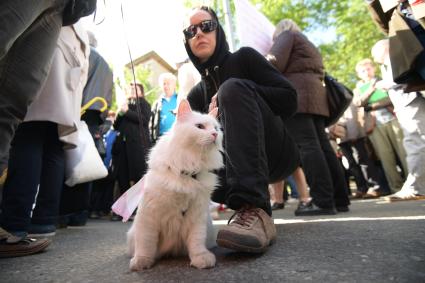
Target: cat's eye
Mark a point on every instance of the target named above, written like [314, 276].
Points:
[200, 126]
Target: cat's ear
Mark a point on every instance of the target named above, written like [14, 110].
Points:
[184, 109]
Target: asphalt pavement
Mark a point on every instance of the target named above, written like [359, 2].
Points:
[376, 241]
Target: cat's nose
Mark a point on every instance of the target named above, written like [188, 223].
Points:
[214, 135]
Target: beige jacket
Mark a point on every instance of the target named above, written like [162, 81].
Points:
[60, 99]
[404, 45]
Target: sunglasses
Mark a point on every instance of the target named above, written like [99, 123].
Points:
[205, 26]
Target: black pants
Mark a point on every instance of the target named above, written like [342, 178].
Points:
[258, 148]
[36, 160]
[28, 34]
[325, 175]
[363, 169]
[76, 199]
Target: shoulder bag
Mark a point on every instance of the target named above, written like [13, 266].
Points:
[339, 98]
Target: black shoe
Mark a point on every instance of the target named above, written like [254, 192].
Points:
[115, 217]
[62, 222]
[310, 209]
[342, 208]
[78, 218]
[277, 206]
[95, 215]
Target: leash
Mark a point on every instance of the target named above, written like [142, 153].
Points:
[138, 109]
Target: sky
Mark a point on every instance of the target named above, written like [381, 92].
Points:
[147, 25]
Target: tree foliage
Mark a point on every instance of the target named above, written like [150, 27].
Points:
[355, 32]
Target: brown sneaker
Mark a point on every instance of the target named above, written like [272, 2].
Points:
[12, 246]
[252, 231]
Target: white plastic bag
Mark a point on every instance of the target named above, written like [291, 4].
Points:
[83, 163]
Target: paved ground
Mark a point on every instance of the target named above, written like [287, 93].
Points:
[375, 242]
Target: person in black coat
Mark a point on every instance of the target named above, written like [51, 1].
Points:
[253, 99]
[132, 143]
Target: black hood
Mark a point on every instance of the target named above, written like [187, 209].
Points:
[220, 52]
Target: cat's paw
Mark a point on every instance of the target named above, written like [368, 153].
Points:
[204, 260]
[138, 263]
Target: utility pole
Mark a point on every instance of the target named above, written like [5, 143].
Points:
[228, 23]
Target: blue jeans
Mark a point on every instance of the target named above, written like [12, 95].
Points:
[28, 34]
[36, 160]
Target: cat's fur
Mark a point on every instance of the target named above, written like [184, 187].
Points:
[172, 217]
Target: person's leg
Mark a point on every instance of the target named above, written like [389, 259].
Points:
[303, 129]
[258, 151]
[395, 134]
[28, 35]
[412, 121]
[386, 154]
[25, 165]
[278, 190]
[249, 142]
[302, 187]
[46, 210]
[339, 183]
[292, 184]
[368, 166]
[354, 167]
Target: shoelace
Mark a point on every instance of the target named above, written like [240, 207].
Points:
[244, 217]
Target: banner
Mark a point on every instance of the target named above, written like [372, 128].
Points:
[388, 4]
[418, 8]
[254, 29]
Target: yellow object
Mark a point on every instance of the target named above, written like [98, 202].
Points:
[93, 101]
[3, 177]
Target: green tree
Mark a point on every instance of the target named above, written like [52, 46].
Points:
[355, 32]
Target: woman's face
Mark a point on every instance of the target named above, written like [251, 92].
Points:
[202, 44]
[131, 91]
[366, 72]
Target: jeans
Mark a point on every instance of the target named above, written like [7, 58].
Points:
[28, 34]
[36, 170]
[324, 173]
[258, 149]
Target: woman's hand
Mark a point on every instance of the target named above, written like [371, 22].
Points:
[123, 108]
[213, 103]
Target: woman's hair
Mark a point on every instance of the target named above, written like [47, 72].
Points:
[207, 9]
[210, 11]
[140, 87]
[284, 25]
[166, 76]
[379, 47]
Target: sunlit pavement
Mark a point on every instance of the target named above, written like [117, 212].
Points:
[375, 242]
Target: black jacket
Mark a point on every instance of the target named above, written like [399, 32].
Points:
[246, 63]
[133, 140]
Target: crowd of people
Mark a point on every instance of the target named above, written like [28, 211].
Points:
[272, 110]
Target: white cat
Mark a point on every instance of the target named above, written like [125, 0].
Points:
[173, 215]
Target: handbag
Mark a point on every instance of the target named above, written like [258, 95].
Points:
[339, 98]
[83, 163]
